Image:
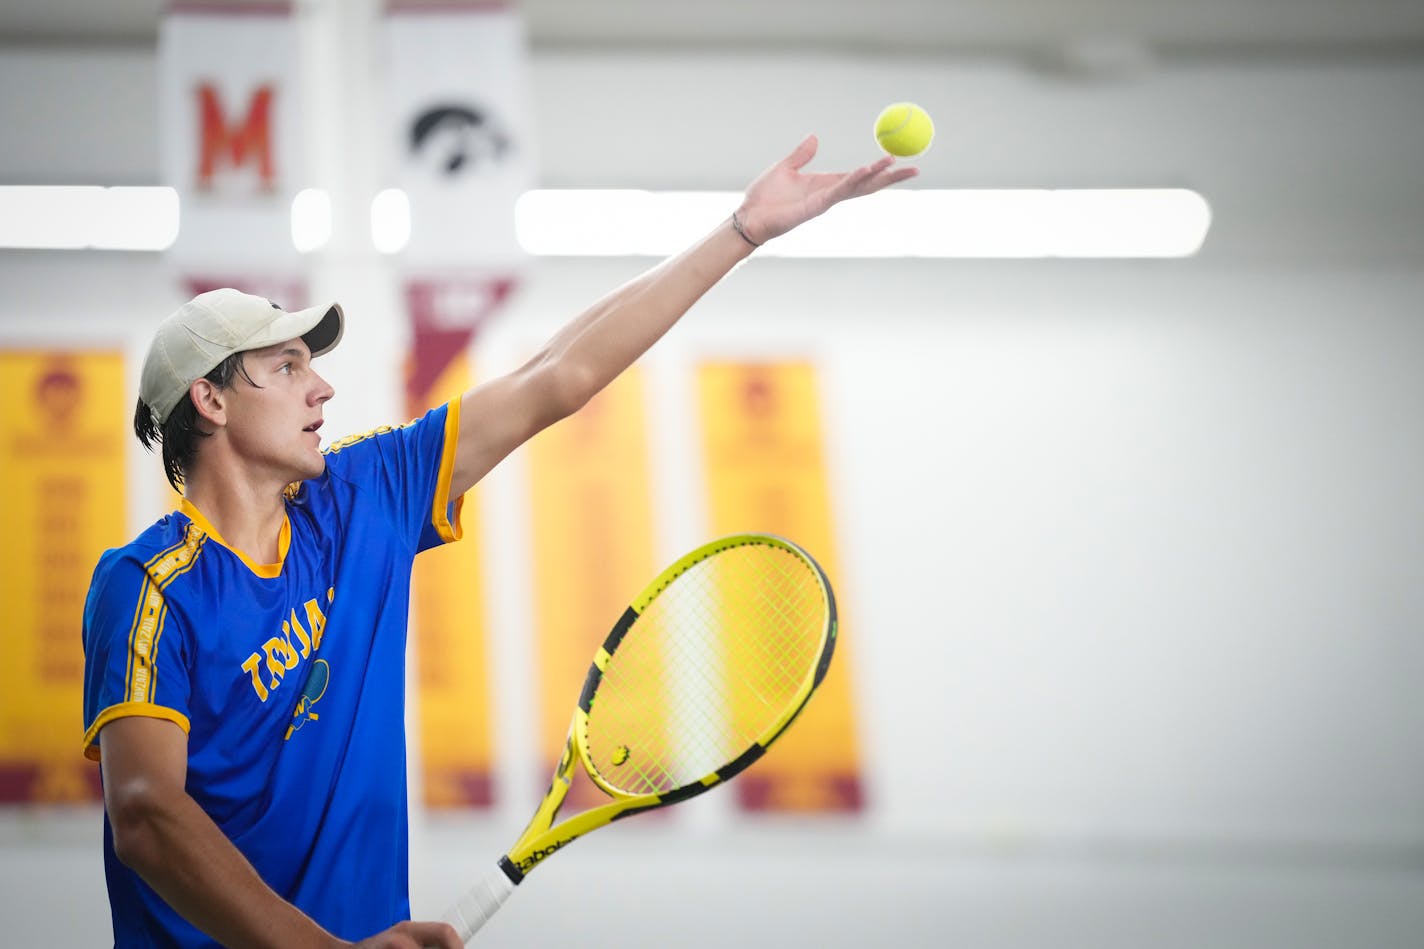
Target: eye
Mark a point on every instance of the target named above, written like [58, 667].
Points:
[285, 367]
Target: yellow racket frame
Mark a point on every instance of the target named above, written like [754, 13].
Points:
[540, 838]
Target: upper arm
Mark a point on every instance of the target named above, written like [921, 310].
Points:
[498, 416]
[145, 763]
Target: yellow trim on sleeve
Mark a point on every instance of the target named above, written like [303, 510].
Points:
[128, 710]
[448, 527]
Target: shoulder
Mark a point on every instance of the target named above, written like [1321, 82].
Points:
[169, 544]
[392, 449]
[433, 418]
[138, 579]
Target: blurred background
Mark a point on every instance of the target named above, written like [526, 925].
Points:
[1129, 538]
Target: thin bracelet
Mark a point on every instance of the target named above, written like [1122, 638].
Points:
[737, 226]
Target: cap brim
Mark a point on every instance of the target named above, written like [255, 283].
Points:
[320, 327]
[327, 331]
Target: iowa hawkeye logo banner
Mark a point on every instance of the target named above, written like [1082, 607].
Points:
[455, 140]
[458, 139]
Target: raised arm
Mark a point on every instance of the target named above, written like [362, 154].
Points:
[589, 353]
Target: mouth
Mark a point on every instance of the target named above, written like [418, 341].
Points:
[313, 427]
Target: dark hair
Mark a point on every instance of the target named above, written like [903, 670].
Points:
[179, 434]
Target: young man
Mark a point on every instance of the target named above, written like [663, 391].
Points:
[244, 684]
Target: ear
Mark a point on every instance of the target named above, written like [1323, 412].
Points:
[210, 402]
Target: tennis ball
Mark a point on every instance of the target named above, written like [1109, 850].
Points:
[904, 129]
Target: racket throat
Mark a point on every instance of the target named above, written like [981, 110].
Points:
[516, 875]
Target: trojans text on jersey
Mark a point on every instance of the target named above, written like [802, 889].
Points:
[270, 663]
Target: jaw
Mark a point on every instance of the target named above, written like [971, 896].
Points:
[315, 465]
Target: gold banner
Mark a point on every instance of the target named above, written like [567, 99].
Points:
[766, 472]
[62, 474]
[451, 645]
[593, 544]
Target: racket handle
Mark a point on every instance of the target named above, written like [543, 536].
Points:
[479, 903]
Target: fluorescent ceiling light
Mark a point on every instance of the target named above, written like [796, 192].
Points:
[1023, 223]
[55, 217]
[1027, 223]
[311, 220]
[616, 223]
[390, 220]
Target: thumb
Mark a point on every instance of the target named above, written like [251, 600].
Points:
[803, 153]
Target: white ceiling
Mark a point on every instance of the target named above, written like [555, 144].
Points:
[1033, 28]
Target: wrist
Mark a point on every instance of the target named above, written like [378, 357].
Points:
[739, 224]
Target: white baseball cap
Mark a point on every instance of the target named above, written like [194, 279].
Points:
[212, 326]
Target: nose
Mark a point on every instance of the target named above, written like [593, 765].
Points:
[322, 392]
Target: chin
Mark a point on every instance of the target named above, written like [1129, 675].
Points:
[312, 467]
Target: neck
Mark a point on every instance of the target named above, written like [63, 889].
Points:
[248, 517]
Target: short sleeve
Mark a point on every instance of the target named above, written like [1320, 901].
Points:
[407, 470]
[134, 648]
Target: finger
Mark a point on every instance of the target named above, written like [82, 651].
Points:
[393, 939]
[426, 934]
[802, 154]
[852, 184]
[853, 180]
[858, 184]
[886, 168]
[870, 170]
[893, 176]
[881, 175]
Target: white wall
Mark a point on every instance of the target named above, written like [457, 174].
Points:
[1132, 550]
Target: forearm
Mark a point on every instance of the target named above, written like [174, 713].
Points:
[182, 854]
[612, 334]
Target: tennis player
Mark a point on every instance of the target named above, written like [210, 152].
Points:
[245, 655]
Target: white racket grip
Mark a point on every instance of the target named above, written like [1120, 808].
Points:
[479, 903]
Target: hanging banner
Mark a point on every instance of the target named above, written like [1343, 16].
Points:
[62, 474]
[445, 316]
[449, 617]
[766, 471]
[459, 134]
[453, 696]
[456, 143]
[593, 545]
[230, 123]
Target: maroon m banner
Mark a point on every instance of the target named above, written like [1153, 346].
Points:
[247, 142]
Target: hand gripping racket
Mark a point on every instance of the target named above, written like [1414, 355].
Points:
[706, 668]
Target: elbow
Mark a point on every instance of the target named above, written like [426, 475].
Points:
[135, 815]
[567, 387]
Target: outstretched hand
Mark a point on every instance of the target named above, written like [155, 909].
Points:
[783, 197]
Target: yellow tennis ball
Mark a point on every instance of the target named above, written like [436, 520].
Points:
[904, 129]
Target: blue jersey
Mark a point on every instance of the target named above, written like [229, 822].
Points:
[289, 678]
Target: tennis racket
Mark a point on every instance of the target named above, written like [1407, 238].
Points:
[707, 667]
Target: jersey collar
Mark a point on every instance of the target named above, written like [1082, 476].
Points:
[265, 570]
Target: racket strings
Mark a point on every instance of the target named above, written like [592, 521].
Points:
[711, 667]
[702, 726]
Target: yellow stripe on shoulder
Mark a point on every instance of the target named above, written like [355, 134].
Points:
[350, 440]
[176, 559]
[153, 611]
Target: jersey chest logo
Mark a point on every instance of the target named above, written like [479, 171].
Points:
[267, 667]
[312, 692]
